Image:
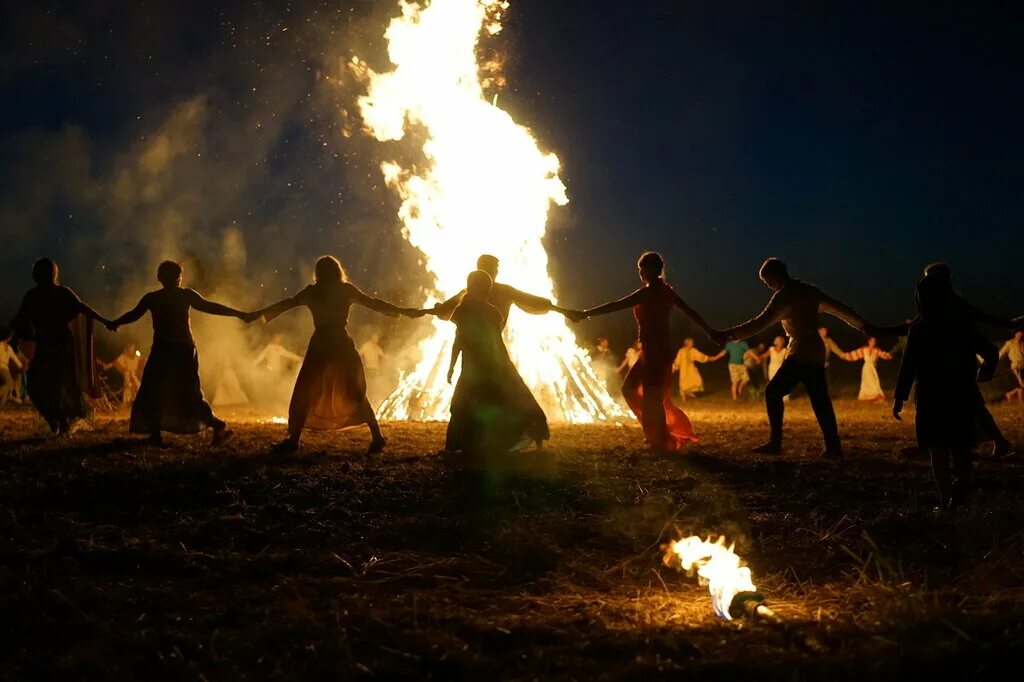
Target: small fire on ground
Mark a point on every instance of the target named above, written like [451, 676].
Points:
[718, 567]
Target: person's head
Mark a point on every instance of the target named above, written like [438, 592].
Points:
[375, 338]
[277, 339]
[638, 345]
[688, 342]
[1018, 336]
[169, 273]
[774, 273]
[872, 342]
[45, 272]
[130, 349]
[488, 264]
[761, 348]
[651, 266]
[940, 271]
[478, 285]
[823, 332]
[602, 343]
[5, 335]
[328, 270]
[779, 342]
[932, 297]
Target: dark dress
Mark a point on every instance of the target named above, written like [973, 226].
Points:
[170, 397]
[941, 359]
[45, 317]
[648, 385]
[493, 410]
[330, 391]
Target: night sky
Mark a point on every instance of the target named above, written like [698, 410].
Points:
[859, 141]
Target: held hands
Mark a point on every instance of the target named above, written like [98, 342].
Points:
[414, 312]
[897, 408]
[110, 325]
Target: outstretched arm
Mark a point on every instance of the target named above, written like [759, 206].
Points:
[692, 314]
[446, 309]
[844, 312]
[375, 304]
[134, 314]
[614, 306]
[535, 305]
[772, 313]
[283, 306]
[907, 375]
[203, 305]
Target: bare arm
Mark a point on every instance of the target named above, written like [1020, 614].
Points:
[134, 314]
[837, 308]
[284, 305]
[375, 304]
[614, 306]
[535, 305]
[692, 314]
[908, 373]
[213, 308]
[456, 350]
[772, 313]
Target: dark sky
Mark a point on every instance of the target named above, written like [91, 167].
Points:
[857, 140]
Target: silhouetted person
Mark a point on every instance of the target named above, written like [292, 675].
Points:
[941, 359]
[870, 382]
[493, 410]
[170, 397]
[45, 316]
[739, 375]
[127, 365]
[940, 277]
[275, 357]
[797, 305]
[690, 381]
[502, 296]
[330, 391]
[629, 358]
[8, 358]
[1014, 350]
[647, 387]
[603, 360]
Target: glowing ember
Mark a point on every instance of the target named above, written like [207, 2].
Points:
[718, 567]
[485, 187]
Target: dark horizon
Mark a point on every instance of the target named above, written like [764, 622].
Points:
[857, 143]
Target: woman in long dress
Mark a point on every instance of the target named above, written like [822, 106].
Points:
[330, 391]
[870, 384]
[170, 397]
[775, 355]
[493, 410]
[647, 385]
[690, 381]
[45, 316]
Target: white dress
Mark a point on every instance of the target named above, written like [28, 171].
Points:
[775, 360]
[870, 384]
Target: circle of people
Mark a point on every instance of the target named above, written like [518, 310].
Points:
[493, 410]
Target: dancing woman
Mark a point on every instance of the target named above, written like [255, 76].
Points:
[170, 397]
[330, 391]
[493, 410]
[46, 312]
[870, 384]
[775, 356]
[647, 385]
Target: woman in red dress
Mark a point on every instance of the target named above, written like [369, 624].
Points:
[647, 387]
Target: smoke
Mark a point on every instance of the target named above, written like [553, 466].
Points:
[245, 170]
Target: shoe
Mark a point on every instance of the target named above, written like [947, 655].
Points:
[832, 453]
[289, 446]
[221, 435]
[769, 448]
[376, 446]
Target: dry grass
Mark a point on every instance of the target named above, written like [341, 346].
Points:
[120, 560]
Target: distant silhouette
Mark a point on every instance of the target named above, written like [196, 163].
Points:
[941, 360]
[170, 396]
[275, 357]
[372, 356]
[739, 375]
[1014, 350]
[502, 296]
[8, 357]
[493, 410]
[797, 305]
[939, 278]
[757, 368]
[55, 373]
[647, 387]
[629, 358]
[690, 381]
[127, 365]
[603, 360]
[870, 383]
[330, 391]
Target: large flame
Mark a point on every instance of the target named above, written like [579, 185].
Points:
[485, 187]
[717, 565]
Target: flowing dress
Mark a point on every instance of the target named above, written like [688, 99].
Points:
[647, 386]
[58, 371]
[690, 380]
[775, 359]
[870, 383]
[493, 410]
[170, 396]
[330, 391]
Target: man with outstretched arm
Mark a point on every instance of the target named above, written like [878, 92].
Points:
[797, 305]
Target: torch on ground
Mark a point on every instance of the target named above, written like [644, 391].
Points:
[717, 565]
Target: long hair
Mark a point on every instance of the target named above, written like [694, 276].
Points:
[328, 270]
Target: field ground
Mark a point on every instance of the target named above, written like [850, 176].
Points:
[124, 561]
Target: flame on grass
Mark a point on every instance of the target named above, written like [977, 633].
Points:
[484, 186]
[718, 567]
